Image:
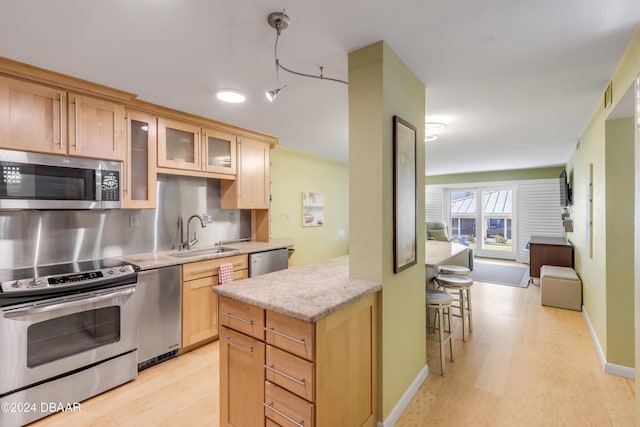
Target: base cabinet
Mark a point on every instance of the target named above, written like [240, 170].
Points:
[241, 379]
[199, 303]
[321, 374]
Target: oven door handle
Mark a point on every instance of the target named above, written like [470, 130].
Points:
[59, 305]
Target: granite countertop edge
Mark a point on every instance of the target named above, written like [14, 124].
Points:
[153, 260]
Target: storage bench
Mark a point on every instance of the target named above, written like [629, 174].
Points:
[560, 287]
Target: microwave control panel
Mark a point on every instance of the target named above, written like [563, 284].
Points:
[110, 186]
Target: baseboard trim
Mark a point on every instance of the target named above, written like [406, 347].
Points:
[402, 404]
[609, 368]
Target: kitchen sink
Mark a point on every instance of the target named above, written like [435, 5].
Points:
[192, 253]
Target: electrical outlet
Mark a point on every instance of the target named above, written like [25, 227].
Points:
[133, 220]
[232, 216]
[208, 219]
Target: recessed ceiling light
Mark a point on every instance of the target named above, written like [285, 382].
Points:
[430, 137]
[431, 126]
[231, 96]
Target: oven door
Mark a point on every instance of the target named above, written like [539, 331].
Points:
[49, 338]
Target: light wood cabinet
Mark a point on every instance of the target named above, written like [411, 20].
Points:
[140, 164]
[218, 151]
[188, 149]
[250, 190]
[199, 303]
[32, 117]
[96, 128]
[241, 379]
[178, 145]
[321, 374]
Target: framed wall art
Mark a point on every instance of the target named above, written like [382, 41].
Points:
[405, 195]
[312, 209]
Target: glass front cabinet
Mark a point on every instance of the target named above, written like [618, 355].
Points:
[204, 152]
[139, 190]
[219, 149]
[178, 145]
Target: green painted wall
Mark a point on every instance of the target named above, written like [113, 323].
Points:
[293, 172]
[506, 175]
[381, 86]
[591, 149]
[619, 164]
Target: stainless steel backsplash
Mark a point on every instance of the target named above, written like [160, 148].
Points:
[31, 237]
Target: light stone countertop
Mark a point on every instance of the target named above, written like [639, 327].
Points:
[438, 252]
[309, 292]
[149, 261]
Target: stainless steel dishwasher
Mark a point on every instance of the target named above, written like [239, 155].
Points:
[268, 261]
[159, 315]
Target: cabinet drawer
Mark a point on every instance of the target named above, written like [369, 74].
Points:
[285, 408]
[209, 267]
[290, 372]
[269, 423]
[292, 335]
[242, 317]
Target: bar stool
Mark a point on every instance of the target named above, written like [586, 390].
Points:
[462, 285]
[459, 270]
[441, 301]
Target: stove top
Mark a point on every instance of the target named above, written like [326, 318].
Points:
[50, 278]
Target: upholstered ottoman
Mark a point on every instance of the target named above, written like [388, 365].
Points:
[560, 287]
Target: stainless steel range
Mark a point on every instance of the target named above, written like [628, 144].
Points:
[68, 332]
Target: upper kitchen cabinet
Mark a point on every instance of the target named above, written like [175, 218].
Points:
[96, 128]
[219, 151]
[250, 190]
[140, 165]
[33, 117]
[178, 145]
[187, 149]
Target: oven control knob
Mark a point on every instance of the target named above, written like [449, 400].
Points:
[123, 269]
[110, 271]
[34, 283]
[17, 284]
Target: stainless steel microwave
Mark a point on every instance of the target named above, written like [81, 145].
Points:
[49, 181]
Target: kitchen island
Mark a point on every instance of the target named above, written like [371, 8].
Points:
[299, 347]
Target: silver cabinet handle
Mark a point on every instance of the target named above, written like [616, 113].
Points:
[237, 344]
[285, 416]
[289, 337]
[289, 377]
[239, 319]
[61, 305]
[60, 114]
[75, 122]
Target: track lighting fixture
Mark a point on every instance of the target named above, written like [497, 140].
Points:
[279, 21]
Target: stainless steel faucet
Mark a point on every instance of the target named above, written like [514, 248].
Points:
[189, 243]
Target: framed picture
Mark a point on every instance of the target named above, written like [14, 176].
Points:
[312, 209]
[405, 195]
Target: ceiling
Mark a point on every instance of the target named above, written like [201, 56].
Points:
[516, 81]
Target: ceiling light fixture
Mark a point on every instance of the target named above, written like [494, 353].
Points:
[428, 138]
[279, 21]
[231, 96]
[431, 126]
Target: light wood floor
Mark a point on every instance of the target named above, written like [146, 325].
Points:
[523, 365]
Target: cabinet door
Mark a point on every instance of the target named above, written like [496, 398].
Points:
[32, 117]
[250, 190]
[96, 128]
[219, 150]
[253, 174]
[241, 380]
[140, 165]
[178, 145]
[199, 310]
